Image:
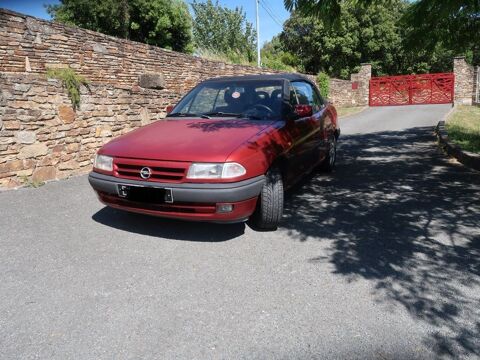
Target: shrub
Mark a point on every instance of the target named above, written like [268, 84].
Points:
[323, 81]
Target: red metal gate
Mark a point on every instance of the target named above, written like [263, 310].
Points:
[412, 89]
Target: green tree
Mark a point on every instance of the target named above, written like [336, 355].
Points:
[164, 23]
[362, 34]
[274, 56]
[453, 25]
[222, 30]
[450, 25]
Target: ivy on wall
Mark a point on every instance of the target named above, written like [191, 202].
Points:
[71, 81]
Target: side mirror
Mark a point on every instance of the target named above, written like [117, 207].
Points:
[303, 110]
[169, 109]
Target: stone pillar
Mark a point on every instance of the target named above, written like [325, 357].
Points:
[476, 86]
[361, 90]
[464, 81]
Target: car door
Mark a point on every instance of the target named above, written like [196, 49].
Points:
[324, 126]
[303, 131]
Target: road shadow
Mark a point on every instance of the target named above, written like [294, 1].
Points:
[398, 213]
[167, 228]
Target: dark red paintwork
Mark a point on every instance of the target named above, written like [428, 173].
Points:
[169, 146]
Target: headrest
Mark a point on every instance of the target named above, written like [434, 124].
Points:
[276, 94]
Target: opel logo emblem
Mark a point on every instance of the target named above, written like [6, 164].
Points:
[146, 172]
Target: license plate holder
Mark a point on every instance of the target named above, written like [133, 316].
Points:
[144, 194]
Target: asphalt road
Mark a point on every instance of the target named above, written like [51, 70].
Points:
[379, 260]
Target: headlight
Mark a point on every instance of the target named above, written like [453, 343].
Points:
[215, 171]
[103, 162]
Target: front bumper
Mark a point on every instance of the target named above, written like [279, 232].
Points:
[191, 201]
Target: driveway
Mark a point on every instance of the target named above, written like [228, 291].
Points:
[379, 260]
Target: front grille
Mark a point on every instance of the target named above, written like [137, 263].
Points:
[161, 171]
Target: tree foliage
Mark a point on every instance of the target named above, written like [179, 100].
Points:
[223, 30]
[375, 32]
[450, 25]
[367, 34]
[164, 23]
[274, 56]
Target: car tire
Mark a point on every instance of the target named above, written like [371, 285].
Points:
[269, 210]
[328, 164]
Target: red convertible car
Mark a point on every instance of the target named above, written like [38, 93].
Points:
[225, 153]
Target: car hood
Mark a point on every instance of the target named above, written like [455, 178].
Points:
[202, 140]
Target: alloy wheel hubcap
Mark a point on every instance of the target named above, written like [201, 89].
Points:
[332, 153]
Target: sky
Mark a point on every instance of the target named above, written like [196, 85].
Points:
[271, 12]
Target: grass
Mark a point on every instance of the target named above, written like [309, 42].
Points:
[345, 111]
[27, 182]
[463, 128]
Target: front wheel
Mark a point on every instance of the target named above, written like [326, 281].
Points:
[329, 163]
[269, 209]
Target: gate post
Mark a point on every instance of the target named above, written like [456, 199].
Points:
[463, 81]
[362, 95]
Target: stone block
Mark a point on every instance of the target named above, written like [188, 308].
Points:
[103, 131]
[69, 165]
[44, 173]
[99, 48]
[48, 160]
[33, 151]
[11, 166]
[28, 67]
[152, 81]
[71, 148]
[26, 137]
[66, 114]
[22, 87]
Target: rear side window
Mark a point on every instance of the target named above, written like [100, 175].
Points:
[317, 100]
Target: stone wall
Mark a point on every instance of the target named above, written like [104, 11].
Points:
[42, 137]
[353, 92]
[33, 45]
[464, 81]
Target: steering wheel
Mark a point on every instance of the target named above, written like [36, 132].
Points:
[263, 107]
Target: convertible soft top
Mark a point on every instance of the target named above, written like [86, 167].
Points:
[281, 76]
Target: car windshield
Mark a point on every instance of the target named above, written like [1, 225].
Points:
[253, 99]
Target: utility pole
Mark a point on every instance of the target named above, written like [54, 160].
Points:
[259, 61]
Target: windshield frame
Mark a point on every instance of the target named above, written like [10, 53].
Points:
[283, 108]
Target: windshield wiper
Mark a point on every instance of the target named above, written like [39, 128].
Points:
[204, 116]
[251, 116]
[219, 113]
[238, 115]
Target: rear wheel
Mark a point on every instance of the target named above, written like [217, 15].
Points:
[269, 209]
[329, 162]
